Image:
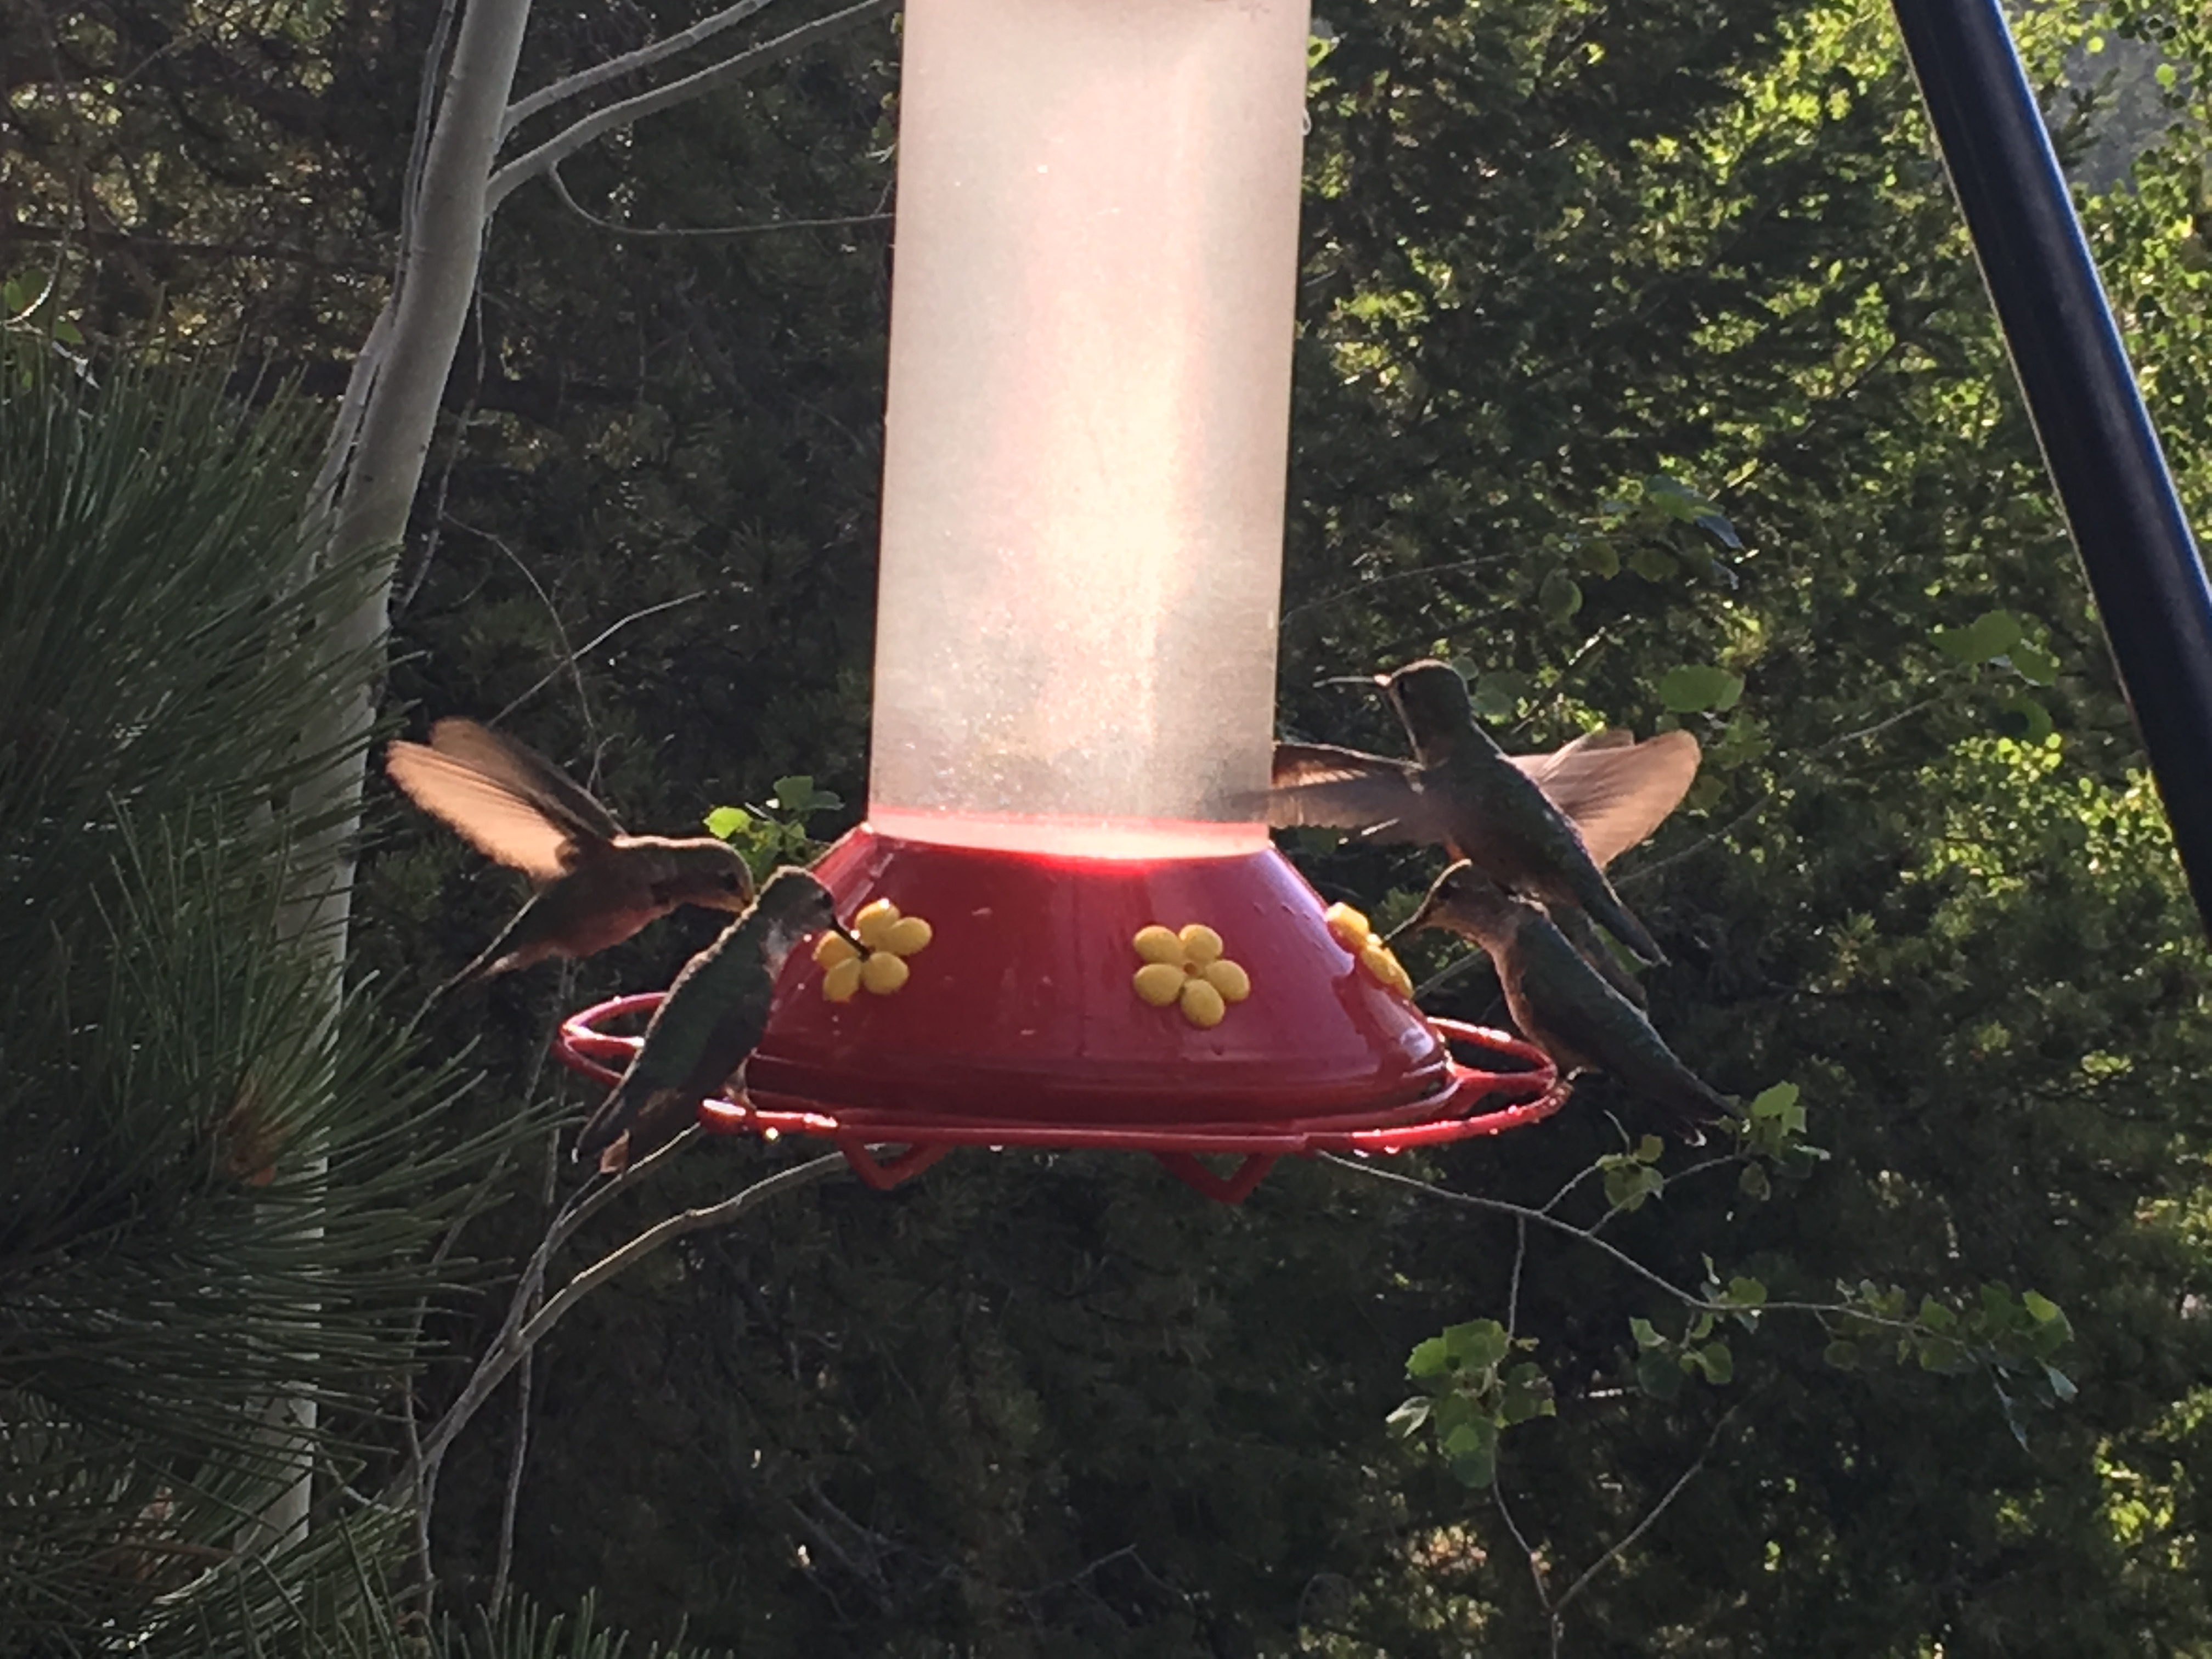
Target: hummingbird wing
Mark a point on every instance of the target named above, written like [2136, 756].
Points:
[527, 773]
[1322, 785]
[1617, 790]
[494, 794]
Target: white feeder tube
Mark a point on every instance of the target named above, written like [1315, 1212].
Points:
[1091, 322]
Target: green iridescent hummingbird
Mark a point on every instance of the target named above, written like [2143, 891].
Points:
[1542, 825]
[1561, 1003]
[709, 1023]
[596, 885]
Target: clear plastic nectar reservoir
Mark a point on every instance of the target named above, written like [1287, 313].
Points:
[1091, 326]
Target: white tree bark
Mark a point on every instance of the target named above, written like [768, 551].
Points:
[381, 440]
[378, 447]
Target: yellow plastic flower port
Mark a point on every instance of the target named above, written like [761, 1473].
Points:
[1350, 929]
[1188, 969]
[890, 939]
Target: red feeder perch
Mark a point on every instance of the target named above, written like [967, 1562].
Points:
[1078, 938]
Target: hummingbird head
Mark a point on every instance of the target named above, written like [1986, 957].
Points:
[713, 875]
[1431, 699]
[1469, 903]
[793, 904]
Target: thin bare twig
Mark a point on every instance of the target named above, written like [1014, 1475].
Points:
[561, 189]
[590, 645]
[1689, 1299]
[1360, 590]
[1535, 1565]
[1650, 1518]
[629, 63]
[668, 1230]
[570, 658]
[521, 1330]
[532, 163]
[524, 1386]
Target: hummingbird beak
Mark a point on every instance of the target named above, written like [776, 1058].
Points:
[845, 933]
[1413, 924]
[1370, 681]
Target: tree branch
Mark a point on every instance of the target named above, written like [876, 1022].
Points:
[561, 189]
[1689, 1299]
[629, 63]
[1650, 1518]
[520, 1331]
[566, 143]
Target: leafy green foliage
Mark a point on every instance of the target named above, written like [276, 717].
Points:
[775, 834]
[1683, 257]
[1473, 1393]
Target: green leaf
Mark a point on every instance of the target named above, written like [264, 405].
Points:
[797, 796]
[725, 821]
[1659, 1375]
[1528, 1393]
[1409, 1417]
[2035, 666]
[1559, 596]
[1717, 526]
[2024, 718]
[1713, 1362]
[1691, 689]
[1498, 694]
[1600, 556]
[1989, 636]
[1677, 500]
[1646, 1333]
[2061, 1385]
[1429, 1358]
[1477, 1345]
[1747, 1292]
[1843, 1356]
[1754, 1182]
[1652, 563]
[2040, 1308]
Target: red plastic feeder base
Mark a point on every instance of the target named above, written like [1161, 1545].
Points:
[1019, 1023]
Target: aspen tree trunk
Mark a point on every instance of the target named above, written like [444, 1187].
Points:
[370, 475]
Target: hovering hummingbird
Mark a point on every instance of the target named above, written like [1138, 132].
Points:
[1545, 825]
[1560, 1003]
[708, 1024]
[596, 886]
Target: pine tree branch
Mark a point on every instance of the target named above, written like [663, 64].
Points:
[534, 163]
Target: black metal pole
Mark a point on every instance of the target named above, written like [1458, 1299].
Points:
[2096, 438]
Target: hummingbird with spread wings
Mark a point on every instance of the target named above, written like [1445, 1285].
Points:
[1544, 825]
[596, 884]
[709, 1023]
[1561, 1003]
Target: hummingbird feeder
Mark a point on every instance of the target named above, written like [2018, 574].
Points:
[1072, 934]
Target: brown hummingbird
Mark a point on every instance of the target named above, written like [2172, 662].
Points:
[708, 1024]
[1544, 825]
[1560, 1003]
[596, 885]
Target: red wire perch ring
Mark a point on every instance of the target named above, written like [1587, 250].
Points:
[1449, 1115]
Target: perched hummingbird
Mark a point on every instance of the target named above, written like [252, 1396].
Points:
[1560, 1003]
[1545, 825]
[596, 886]
[709, 1023]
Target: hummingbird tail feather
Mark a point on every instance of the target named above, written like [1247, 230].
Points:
[1621, 923]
